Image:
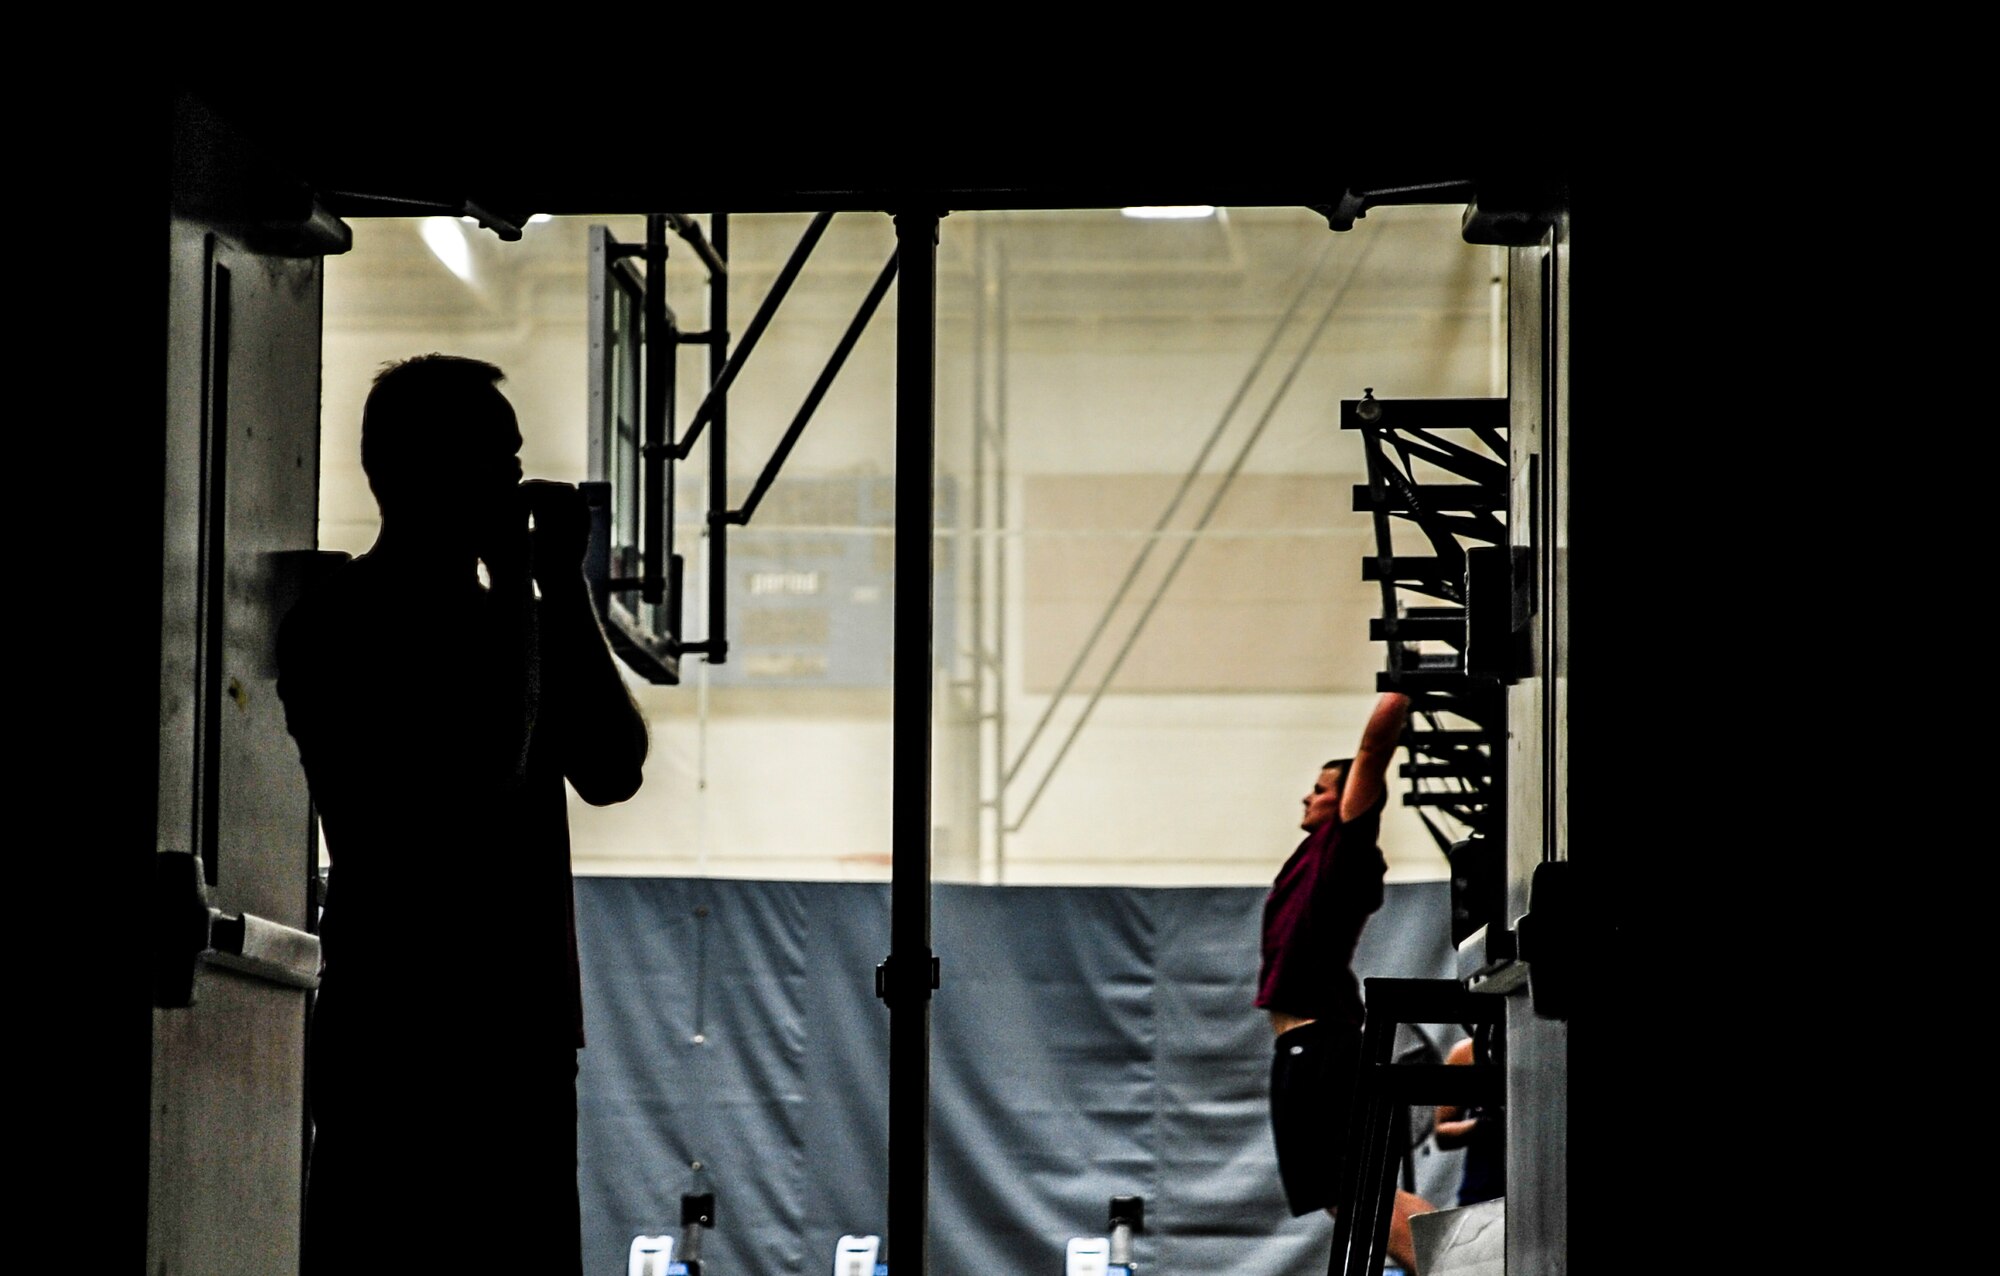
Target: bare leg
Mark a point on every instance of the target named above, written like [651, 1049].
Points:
[1401, 1248]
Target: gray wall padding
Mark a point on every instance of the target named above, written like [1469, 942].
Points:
[1087, 1042]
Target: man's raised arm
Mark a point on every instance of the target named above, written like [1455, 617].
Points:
[1363, 785]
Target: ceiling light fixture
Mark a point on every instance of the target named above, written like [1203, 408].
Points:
[446, 238]
[1169, 212]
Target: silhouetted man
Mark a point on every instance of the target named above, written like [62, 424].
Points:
[438, 717]
[1322, 898]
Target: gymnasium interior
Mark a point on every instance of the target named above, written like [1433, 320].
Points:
[995, 553]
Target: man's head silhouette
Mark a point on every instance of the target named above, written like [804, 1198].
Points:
[440, 445]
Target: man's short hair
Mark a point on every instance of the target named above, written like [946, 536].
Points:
[411, 407]
[1342, 763]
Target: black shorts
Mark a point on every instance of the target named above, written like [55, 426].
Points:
[1312, 1092]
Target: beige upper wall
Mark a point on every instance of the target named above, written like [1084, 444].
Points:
[1126, 344]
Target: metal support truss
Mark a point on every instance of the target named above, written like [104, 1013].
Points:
[1201, 523]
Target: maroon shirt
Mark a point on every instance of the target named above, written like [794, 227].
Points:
[1313, 920]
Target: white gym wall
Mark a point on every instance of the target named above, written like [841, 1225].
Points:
[1125, 342]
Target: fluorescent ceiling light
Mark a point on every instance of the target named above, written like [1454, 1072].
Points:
[446, 238]
[1170, 212]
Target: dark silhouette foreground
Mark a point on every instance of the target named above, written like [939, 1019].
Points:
[438, 718]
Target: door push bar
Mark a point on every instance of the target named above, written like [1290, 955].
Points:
[188, 933]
